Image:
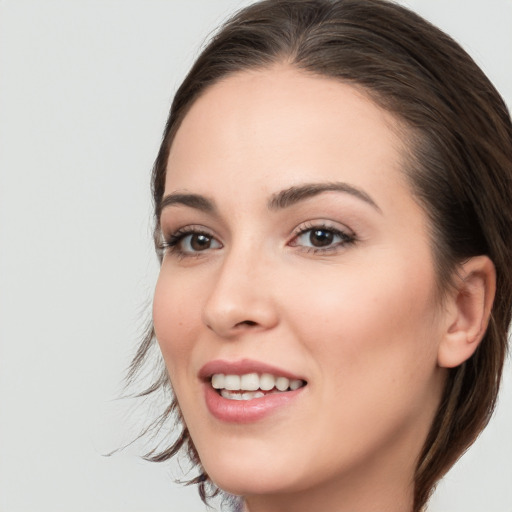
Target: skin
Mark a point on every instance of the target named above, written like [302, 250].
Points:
[360, 321]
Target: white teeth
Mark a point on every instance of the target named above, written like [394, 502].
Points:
[253, 394]
[229, 394]
[251, 382]
[218, 381]
[232, 382]
[295, 384]
[282, 383]
[248, 395]
[267, 382]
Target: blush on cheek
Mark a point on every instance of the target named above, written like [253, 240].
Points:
[165, 315]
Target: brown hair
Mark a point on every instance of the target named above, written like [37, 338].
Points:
[460, 168]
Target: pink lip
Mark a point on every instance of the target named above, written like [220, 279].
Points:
[245, 411]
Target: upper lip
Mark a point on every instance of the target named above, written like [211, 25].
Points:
[242, 367]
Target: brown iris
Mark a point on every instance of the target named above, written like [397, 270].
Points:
[200, 242]
[321, 237]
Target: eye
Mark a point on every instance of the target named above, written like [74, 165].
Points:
[321, 238]
[195, 242]
[188, 242]
[317, 238]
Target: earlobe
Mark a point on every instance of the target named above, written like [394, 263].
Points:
[468, 312]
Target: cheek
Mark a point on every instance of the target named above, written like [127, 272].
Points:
[372, 322]
[175, 318]
[373, 343]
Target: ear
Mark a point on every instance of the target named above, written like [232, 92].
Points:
[468, 311]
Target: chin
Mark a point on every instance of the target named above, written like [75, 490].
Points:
[242, 476]
[253, 484]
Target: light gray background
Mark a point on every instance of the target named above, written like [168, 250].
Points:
[84, 91]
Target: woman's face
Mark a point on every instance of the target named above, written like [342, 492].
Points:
[296, 249]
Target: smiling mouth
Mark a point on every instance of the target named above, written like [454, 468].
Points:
[251, 386]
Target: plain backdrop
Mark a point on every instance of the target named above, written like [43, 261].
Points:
[85, 87]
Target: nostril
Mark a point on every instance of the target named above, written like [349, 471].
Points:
[250, 323]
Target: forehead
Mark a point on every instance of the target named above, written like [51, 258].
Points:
[278, 127]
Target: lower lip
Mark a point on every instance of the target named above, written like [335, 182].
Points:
[247, 411]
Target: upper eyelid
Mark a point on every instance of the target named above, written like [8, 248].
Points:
[297, 230]
[188, 229]
[322, 223]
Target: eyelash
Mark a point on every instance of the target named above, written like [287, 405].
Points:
[173, 241]
[346, 239]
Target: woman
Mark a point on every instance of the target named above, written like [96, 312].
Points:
[332, 214]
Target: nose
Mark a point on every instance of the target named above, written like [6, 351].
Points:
[241, 297]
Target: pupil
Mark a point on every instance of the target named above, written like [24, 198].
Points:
[200, 242]
[320, 237]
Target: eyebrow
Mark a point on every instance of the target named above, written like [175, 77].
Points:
[293, 195]
[196, 201]
[278, 201]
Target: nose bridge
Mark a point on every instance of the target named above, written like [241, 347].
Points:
[241, 296]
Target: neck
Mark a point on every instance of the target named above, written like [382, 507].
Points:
[381, 500]
[338, 498]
